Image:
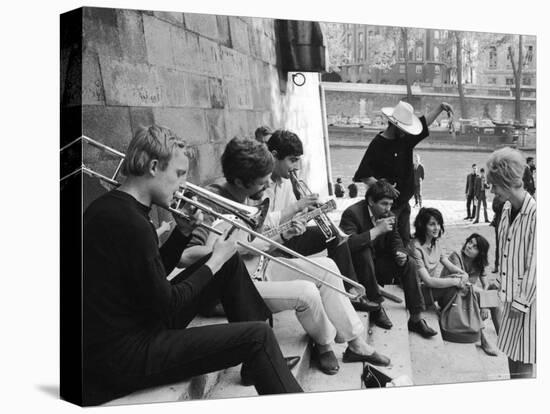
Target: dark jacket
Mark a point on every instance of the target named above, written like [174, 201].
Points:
[470, 184]
[480, 187]
[356, 221]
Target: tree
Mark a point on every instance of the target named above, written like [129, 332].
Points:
[338, 51]
[516, 70]
[513, 45]
[458, 39]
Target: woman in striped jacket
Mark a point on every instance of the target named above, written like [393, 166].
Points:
[517, 273]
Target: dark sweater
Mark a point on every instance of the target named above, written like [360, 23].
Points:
[126, 294]
[392, 159]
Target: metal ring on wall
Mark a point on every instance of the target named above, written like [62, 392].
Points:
[298, 79]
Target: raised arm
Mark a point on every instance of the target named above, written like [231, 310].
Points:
[434, 113]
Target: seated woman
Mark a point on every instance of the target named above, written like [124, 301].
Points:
[472, 258]
[428, 253]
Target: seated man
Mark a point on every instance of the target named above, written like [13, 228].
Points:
[324, 313]
[377, 248]
[287, 150]
[134, 320]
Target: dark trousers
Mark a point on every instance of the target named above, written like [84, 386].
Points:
[479, 202]
[403, 220]
[383, 270]
[313, 241]
[469, 200]
[519, 369]
[418, 195]
[173, 353]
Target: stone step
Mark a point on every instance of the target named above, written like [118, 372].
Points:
[496, 368]
[293, 341]
[394, 342]
[347, 378]
[190, 389]
[436, 361]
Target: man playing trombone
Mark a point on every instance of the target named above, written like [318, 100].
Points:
[135, 321]
[324, 312]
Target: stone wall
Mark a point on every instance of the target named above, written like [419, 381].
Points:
[348, 103]
[207, 77]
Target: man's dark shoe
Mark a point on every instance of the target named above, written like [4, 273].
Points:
[381, 319]
[421, 327]
[246, 374]
[364, 305]
[327, 361]
[467, 218]
[475, 222]
[375, 358]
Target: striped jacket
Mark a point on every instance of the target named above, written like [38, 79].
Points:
[517, 276]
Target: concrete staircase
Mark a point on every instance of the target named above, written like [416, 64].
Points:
[424, 361]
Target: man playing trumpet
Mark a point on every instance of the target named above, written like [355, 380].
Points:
[135, 321]
[287, 150]
[324, 313]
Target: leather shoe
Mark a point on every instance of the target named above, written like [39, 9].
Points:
[374, 358]
[327, 361]
[488, 349]
[246, 374]
[364, 305]
[421, 327]
[380, 318]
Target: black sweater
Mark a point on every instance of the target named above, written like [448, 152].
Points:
[126, 294]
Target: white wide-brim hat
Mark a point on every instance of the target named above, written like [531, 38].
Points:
[403, 117]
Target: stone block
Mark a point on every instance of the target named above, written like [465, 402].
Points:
[141, 117]
[196, 91]
[239, 35]
[234, 64]
[158, 41]
[257, 23]
[239, 94]
[270, 51]
[173, 84]
[187, 123]
[210, 55]
[170, 17]
[236, 124]
[217, 94]
[130, 32]
[92, 85]
[203, 24]
[185, 46]
[215, 120]
[254, 37]
[109, 125]
[100, 31]
[269, 28]
[130, 84]
[223, 30]
[208, 162]
[254, 120]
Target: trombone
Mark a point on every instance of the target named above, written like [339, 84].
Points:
[253, 217]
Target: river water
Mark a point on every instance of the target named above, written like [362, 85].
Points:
[445, 171]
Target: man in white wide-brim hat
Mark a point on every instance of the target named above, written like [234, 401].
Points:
[390, 156]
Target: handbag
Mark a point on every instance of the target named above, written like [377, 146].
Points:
[460, 319]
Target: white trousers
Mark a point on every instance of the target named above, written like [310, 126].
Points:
[325, 314]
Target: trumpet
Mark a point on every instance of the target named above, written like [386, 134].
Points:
[325, 224]
[252, 217]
